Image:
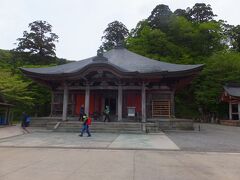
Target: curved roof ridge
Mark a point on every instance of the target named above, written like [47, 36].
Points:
[120, 58]
[144, 64]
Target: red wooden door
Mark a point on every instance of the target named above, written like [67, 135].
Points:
[80, 100]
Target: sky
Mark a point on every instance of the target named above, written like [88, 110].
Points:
[80, 23]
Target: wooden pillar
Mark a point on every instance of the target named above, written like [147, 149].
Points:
[52, 103]
[238, 111]
[73, 104]
[65, 102]
[172, 104]
[119, 102]
[8, 116]
[143, 106]
[230, 110]
[87, 99]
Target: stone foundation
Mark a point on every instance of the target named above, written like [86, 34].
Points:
[230, 122]
[173, 124]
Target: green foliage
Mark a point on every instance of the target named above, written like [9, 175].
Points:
[5, 57]
[160, 17]
[201, 12]
[136, 32]
[40, 40]
[202, 98]
[14, 89]
[115, 33]
[41, 99]
[207, 39]
[182, 13]
[235, 37]
[221, 68]
[25, 94]
[155, 44]
[185, 105]
[35, 49]
[183, 42]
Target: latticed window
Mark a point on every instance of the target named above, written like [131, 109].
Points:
[161, 108]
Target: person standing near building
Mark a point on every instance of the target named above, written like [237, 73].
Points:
[106, 114]
[81, 113]
[25, 120]
[85, 126]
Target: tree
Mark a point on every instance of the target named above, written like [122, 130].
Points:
[201, 12]
[160, 17]
[181, 12]
[235, 37]
[115, 33]
[14, 89]
[199, 39]
[155, 44]
[39, 41]
[207, 39]
[135, 32]
[220, 69]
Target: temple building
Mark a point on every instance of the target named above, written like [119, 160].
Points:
[231, 95]
[134, 87]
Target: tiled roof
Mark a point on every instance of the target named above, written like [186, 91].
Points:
[233, 90]
[120, 58]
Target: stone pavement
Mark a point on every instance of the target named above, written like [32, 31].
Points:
[97, 141]
[210, 138]
[66, 156]
[10, 131]
[85, 164]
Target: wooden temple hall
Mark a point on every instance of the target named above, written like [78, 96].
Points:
[135, 88]
[231, 95]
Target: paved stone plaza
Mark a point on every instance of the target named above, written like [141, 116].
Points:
[212, 153]
[75, 164]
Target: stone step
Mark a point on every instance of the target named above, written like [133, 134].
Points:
[111, 127]
[108, 127]
[38, 123]
[99, 126]
[152, 125]
[99, 130]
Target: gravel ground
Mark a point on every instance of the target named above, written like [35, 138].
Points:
[211, 137]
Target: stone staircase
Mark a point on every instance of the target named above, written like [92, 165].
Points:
[108, 127]
[38, 123]
[57, 125]
[73, 125]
